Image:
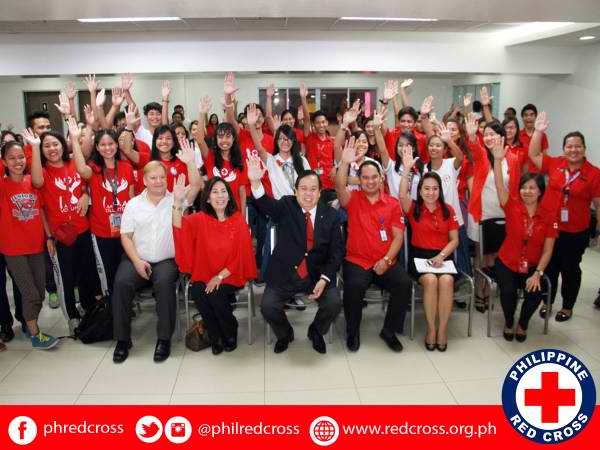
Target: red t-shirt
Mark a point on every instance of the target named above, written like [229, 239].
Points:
[22, 230]
[235, 177]
[319, 153]
[174, 167]
[299, 135]
[542, 225]
[391, 137]
[365, 224]
[103, 203]
[62, 189]
[526, 139]
[466, 172]
[582, 190]
[432, 230]
[28, 150]
[248, 148]
[138, 172]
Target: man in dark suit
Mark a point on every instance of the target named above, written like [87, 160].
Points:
[306, 258]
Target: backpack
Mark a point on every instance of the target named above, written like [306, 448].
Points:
[97, 324]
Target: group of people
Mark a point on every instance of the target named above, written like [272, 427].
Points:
[120, 205]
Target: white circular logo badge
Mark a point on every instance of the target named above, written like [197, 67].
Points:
[149, 429]
[22, 430]
[324, 431]
[178, 430]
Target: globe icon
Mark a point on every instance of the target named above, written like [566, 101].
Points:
[324, 430]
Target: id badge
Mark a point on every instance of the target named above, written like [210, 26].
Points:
[319, 171]
[115, 224]
[383, 235]
[564, 215]
[523, 266]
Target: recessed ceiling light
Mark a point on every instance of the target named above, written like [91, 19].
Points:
[129, 19]
[390, 19]
[587, 38]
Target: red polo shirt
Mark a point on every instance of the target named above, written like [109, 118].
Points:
[365, 222]
[543, 225]
[391, 137]
[432, 230]
[526, 139]
[582, 190]
[319, 153]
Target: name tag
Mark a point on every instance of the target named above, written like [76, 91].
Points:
[383, 235]
[115, 224]
[564, 215]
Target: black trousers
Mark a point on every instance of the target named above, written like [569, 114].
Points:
[566, 258]
[127, 281]
[6, 318]
[356, 282]
[50, 283]
[110, 252]
[78, 268]
[509, 282]
[274, 299]
[216, 310]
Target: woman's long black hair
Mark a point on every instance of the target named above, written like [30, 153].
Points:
[63, 143]
[499, 129]
[462, 141]
[96, 157]
[235, 153]
[419, 203]
[206, 207]
[412, 141]
[289, 133]
[155, 155]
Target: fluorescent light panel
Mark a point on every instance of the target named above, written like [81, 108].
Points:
[390, 19]
[129, 19]
[587, 38]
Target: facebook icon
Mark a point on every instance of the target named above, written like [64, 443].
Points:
[22, 430]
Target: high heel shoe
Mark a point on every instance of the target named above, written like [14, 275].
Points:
[442, 347]
[430, 347]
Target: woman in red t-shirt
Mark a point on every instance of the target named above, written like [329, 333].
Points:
[66, 202]
[22, 240]
[527, 249]
[213, 123]
[434, 236]
[111, 184]
[215, 247]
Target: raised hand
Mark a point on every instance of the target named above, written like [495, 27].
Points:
[70, 90]
[74, 130]
[406, 83]
[498, 149]
[467, 99]
[486, 100]
[471, 125]
[117, 96]
[126, 81]
[444, 132]
[90, 117]
[541, 122]
[300, 114]
[349, 152]
[132, 119]
[100, 98]
[390, 89]
[427, 106]
[255, 168]
[270, 90]
[165, 90]
[205, 105]
[63, 105]
[408, 160]
[229, 84]
[349, 117]
[303, 90]
[252, 114]
[379, 117]
[30, 137]
[179, 190]
[186, 153]
[91, 83]
[276, 121]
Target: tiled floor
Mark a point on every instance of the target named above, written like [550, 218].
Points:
[470, 372]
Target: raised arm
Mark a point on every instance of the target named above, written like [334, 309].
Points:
[82, 168]
[404, 196]
[127, 139]
[341, 176]
[269, 108]
[378, 121]
[186, 155]
[269, 206]
[426, 109]
[486, 102]
[455, 150]
[37, 174]
[403, 94]
[499, 154]
[117, 100]
[340, 137]
[180, 191]
[87, 145]
[229, 90]
[63, 105]
[252, 117]
[535, 145]
[165, 91]
[200, 137]
[467, 102]
[71, 93]
[305, 111]
[126, 85]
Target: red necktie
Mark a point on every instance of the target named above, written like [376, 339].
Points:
[302, 268]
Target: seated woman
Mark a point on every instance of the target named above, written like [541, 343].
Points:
[215, 247]
[434, 237]
[525, 253]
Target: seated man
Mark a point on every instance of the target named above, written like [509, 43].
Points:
[375, 235]
[147, 238]
[307, 256]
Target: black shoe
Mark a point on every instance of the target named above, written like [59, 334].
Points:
[162, 350]
[6, 333]
[318, 342]
[216, 347]
[282, 344]
[562, 316]
[460, 305]
[441, 347]
[230, 344]
[121, 351]
[543, 311]
[353, 342]
[391, 340]
[430, 347]
[597, 301]
[508, 336]
[520, 337]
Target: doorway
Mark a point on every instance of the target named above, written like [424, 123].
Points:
[44, 101]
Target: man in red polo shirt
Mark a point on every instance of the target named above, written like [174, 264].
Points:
[39, 122]
[529, 113]
[375, 235]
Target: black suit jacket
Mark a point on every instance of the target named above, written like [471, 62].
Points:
[327, 253]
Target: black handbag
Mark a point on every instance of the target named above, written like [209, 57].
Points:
[196, 338]
[97, 324]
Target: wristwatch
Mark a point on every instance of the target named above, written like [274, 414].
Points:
[541, 272]
[389, 261]
[220, 277]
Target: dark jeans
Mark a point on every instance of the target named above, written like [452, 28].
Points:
[274, 299]
[78, 268]
[127, 282]
[566, 258]
[216, 310]
[509, 282]
[108, 254]
[356, 282]
[6, 317]
[50, 283]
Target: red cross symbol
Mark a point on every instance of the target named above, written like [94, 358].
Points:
[550, 397]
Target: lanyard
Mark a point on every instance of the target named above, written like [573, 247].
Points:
[528, 224]
[569, 179]
[114, 185]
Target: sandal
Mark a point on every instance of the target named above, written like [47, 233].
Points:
[562, 316]
[481, 303]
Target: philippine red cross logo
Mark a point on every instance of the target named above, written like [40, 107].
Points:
[549, 396]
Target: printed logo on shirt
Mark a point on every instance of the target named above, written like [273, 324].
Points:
[228, 175]
[68, 184]
[173, 171]
[24, 210]
[107, 202]
[548, 396]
